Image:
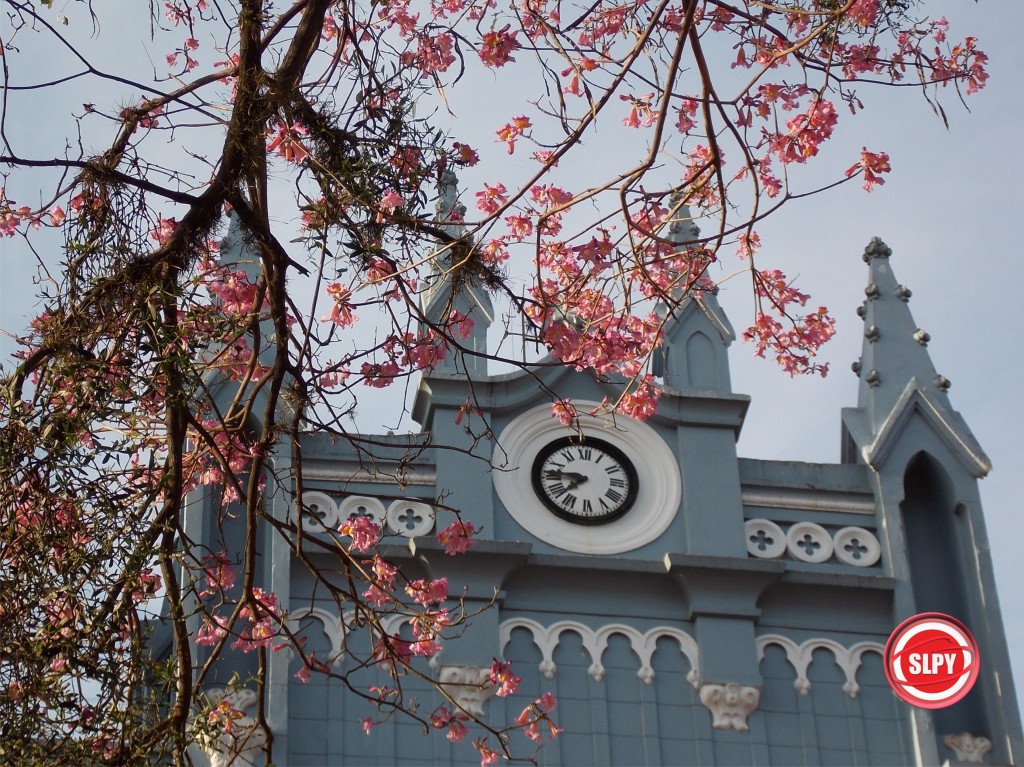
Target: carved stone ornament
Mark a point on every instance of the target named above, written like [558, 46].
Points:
[239, 741]
[969, 749]
[469, 686]
[730, 704]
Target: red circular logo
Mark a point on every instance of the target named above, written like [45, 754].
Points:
[931, 660]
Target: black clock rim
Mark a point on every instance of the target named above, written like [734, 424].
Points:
[612, 450]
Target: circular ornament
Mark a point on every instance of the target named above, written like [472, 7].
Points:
[658, 484]
[317, 512]
[809, 542]
[362, 506]
[857, 546]
[410, 518]
[765, 539]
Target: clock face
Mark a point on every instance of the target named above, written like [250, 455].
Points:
[587, 481]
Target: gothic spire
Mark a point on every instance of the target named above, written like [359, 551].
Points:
[896, 373]
[445, 298]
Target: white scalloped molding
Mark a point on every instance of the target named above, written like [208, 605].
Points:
[801, 655]
[595, 641]
[656, 504]
[337, 628]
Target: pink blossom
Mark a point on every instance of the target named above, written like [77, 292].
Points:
[389, 203]
[163, 230]
[564, 411]
[287, 142]
[303, 674]
[491, 198]
[642, 402]
[212, 631]
[488, 756]
[872, 165]
[368, 725]
[220, 575]
[502, 677]
[641, 112]
[465, 155]
[363, 531]
[379, 375]
[460, 324]
[457, 537]
[519, 227]
[341, 313]
[509, 132]
[498, 47]
[428, 592]
[546, 702]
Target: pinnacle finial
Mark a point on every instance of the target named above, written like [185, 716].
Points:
[448, 200]
[682, 228]
[876, 249]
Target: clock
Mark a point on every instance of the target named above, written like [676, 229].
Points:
[587, 481]
[608, 485]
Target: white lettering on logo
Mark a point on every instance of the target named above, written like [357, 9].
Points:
[931, 663]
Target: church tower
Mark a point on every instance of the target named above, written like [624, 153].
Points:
[684, 605]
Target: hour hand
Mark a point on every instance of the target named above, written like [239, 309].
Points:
[575, 479]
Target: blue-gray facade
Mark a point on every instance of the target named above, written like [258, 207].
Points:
[735, 614]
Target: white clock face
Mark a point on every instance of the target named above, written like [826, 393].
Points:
[588, 482]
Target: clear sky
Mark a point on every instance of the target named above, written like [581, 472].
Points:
[949, 212]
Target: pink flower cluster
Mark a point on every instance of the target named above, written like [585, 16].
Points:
[457, 538]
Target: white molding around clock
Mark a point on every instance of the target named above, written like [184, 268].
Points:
[657, 501]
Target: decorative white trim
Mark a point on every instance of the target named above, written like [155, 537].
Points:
[784, 498]
[866, 548]
[595, 642]
[801, 655]
[422, 518]
[657, 502]
[765, 539]
[242, 745]
[852, 546]
[336, 629]
[969, 749]
[469, 686]
[730, 704]
[362, 506]
[820, 542]
[316, 504]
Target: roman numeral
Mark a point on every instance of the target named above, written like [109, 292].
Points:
[588, 507]
[614, 496]
[570, 501]
[584, 453]
[617, 482]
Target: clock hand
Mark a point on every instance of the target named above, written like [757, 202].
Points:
[576, 479]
